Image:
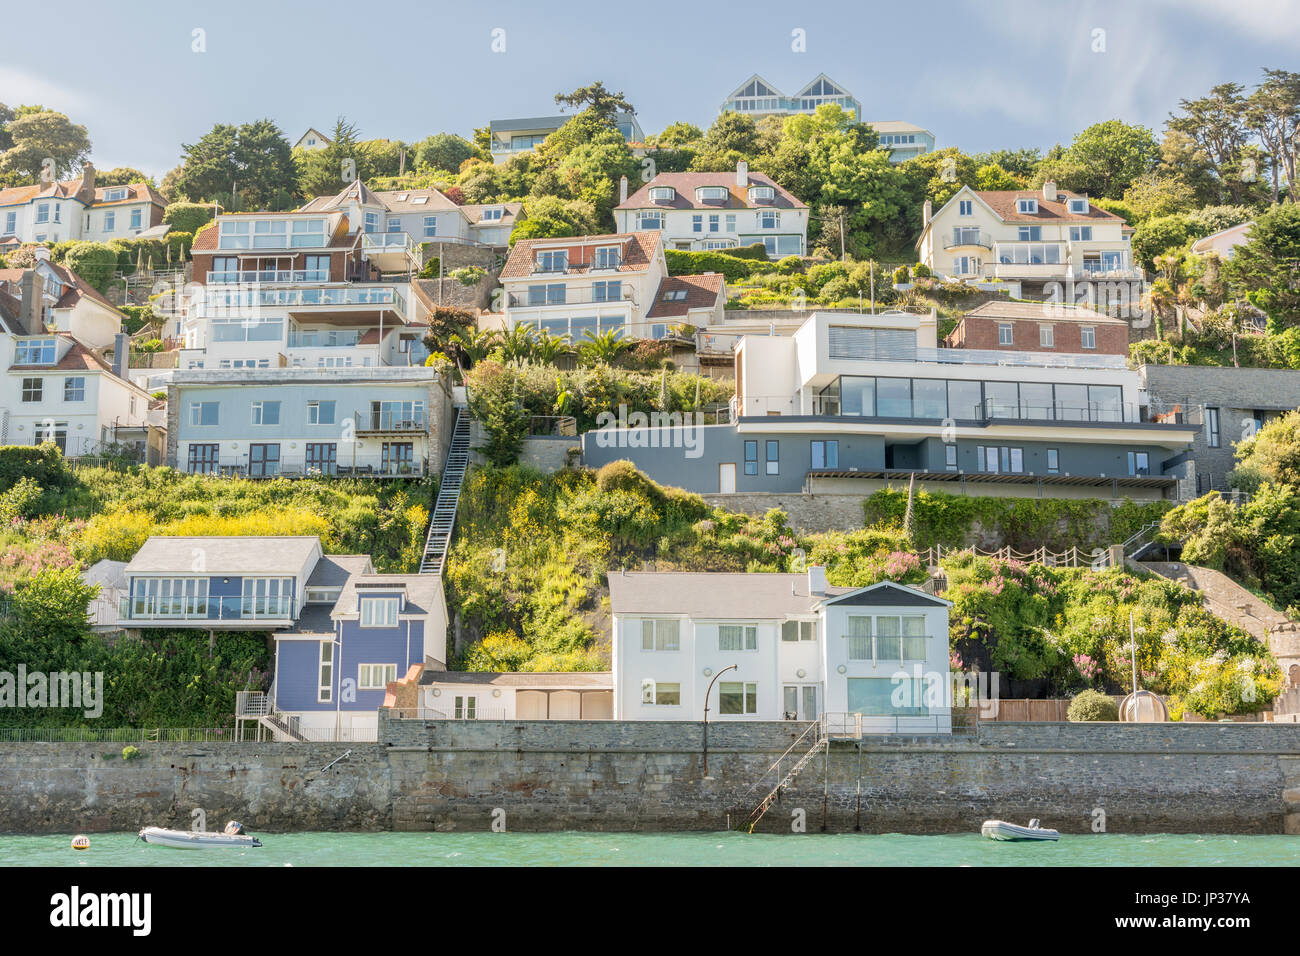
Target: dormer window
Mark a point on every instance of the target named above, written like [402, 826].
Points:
[662, 194]
[114, 195]
[674, 295]
[379, 612]
[492, 213]
[711, 194]
[607, 257]
[34, 352]
[1079, 206]
[553, 260]
[761, 193]
[1027, 207]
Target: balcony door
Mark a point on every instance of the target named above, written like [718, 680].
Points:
[799, 702]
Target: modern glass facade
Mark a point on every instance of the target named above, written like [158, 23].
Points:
[877, 396]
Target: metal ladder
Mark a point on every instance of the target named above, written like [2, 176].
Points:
[820, 742]
[443, 519]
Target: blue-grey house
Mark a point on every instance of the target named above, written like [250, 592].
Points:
[851, 403]
[342, 632]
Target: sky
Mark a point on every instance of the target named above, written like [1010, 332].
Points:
[145, 77]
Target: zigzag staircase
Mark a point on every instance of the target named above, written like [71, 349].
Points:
[443, 519]
[820, 741]
[276, 723]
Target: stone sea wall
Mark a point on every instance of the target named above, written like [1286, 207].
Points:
[649, 776]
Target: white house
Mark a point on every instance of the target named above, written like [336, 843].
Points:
[512, 137]
[757, 97]
[695, 211]
[581, 286]
[408, 217]
[77, 209]
[56, 384]
[1224, 242]
[1026, 240]
[312, 139]
[779, 646]
[492, 695]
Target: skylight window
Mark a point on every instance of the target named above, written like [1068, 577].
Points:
[420, 200]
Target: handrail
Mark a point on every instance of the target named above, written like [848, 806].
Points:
[813, 726]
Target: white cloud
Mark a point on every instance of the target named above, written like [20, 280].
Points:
[1266, 21]
[21, 87]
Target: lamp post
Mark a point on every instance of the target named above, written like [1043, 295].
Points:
[707, 694]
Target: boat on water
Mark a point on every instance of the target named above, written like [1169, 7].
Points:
[233, 835]
[1001, 830]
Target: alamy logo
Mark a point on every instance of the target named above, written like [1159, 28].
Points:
[75, 909]
[654, 430]
[57, 690]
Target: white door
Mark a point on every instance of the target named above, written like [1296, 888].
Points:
[727, 477]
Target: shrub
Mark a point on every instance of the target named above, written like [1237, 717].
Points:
[130, 752]
[93, 261]
[44, 464]
[1092, 705]
[733, 268]
[921, 271]
[188, 216]
[901, 275]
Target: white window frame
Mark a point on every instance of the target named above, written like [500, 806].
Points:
[745, 692]
[325, 673]
[378, 611]
[367, 680]
[1046, 337]
[1087, 337]
[650, 693]
[1009, 329]
[745, 640]
[665, 643]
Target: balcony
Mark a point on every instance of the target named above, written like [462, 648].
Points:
[238, 301]
[970, 241]
[1020, 359]
[278, 276]
[390, 251]
[348, 338]
[390, 422]
[210, 611]
[577, 297]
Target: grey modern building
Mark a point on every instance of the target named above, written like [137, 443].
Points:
[1228, 404]
[853, 402]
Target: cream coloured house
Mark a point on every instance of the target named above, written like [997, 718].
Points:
[1027, 239]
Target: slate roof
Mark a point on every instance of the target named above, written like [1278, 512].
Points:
[575, 680]
[740, 596]
[333, 570]
[1041, 312]
[233, 555]
[422, 591]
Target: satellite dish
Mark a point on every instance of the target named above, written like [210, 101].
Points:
[1143, 707]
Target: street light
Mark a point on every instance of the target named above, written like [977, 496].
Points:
[707, 694]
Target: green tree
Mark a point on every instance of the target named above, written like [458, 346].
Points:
[1266, 269]
[679, 135]
[321, 171]
[40, 135]
[250, 164]
[1154, 194]
[1272, 112]
[595, 98]
[993, 177]
[444, 151]
[122, 176]
[1216, 123]
[93, 261]
[188, 216]
[1111, 155]
[732, 137]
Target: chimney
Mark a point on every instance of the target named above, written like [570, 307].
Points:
[87, 179]
[742, 173]
[32, 314]
[622, 190]
[927, 213]
[816, 580]
[1049, 191]
[121, 353]
[41, 253]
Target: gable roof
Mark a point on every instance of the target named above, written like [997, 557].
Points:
[510, 214]
[888, 594]
[702, 292]
[135, 192]
[826, 87]
[639, 250]
[745, 89]
[685, 185]
[706, 594]
[75, 287]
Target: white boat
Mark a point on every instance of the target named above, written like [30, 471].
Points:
[1001, 830]
[232, 836]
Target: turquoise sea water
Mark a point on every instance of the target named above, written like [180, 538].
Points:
[677, 849]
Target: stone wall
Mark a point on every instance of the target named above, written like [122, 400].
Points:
[808, 513]
[649, 776]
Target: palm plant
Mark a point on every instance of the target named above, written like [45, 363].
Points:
[473, 345]
[603, 348]
[549, 348]
[517, 346]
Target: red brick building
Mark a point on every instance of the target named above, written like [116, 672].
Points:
[1039, 327]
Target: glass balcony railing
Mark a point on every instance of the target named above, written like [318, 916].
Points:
[245, 297]
[195, 608]
[387, 242]
[324, 340]
[268, 275]
[390, 420]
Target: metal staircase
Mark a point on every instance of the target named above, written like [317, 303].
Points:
[443, 519]
[819, 742]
